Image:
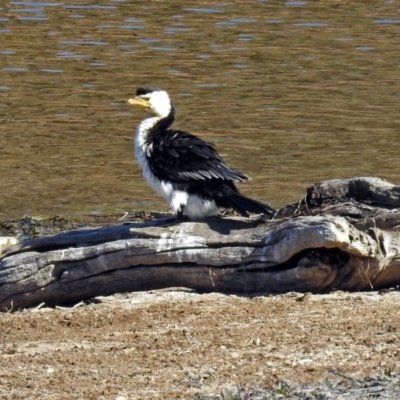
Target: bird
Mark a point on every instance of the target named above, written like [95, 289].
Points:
[184, 169]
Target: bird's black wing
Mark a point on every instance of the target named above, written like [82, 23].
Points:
[178, 156]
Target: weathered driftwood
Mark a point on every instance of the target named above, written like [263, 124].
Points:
[342, 235]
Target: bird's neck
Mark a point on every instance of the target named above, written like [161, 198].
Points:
[153, 125]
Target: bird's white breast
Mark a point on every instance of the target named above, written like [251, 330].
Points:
[143, 152]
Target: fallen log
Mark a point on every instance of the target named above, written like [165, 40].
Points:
[343, 235]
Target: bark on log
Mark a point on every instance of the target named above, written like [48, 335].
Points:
[343, 235]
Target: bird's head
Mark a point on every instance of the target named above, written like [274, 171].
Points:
[154, 100]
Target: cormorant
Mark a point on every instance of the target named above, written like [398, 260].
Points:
[184, 169]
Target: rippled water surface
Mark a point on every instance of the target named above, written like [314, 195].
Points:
[291, 92]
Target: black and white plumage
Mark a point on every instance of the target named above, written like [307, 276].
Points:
[184, 169]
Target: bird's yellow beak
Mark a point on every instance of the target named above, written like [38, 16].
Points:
[139, 101]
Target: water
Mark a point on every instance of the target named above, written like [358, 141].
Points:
[291, 93]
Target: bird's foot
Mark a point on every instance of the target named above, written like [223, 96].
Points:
[180, 217]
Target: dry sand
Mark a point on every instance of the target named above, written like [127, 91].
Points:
[174, 344]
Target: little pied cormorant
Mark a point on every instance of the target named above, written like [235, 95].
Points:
[184, 169]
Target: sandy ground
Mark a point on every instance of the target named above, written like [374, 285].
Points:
[172, 344]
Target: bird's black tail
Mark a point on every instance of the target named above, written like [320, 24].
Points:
[243, 204]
